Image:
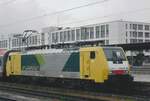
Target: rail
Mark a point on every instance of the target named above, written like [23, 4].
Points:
[72, 94]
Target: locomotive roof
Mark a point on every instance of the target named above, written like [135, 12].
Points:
[46, 51]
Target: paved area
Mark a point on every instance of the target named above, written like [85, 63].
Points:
[142, 77]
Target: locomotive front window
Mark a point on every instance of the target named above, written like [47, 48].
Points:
[92, 55]
[114, 54]
[9, 58]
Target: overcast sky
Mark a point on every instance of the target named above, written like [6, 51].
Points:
[17, 15]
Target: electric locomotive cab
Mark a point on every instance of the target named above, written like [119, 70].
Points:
[117, 63]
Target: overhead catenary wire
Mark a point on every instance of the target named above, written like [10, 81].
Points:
[98, 17]
[7, 2]
[106, 16]
[54, 13]
[79, 21]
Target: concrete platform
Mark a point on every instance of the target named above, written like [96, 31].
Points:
[142, 77]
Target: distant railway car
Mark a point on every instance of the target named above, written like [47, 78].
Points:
[2, 52]
[97, 64]
[1, 69]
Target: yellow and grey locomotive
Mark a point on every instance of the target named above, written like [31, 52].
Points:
[97, 64]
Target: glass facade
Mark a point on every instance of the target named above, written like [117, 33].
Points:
[91, 32]
[102, 31]
[82, 33]
[33, 40]
[3, 44]
[97, 31]
[147, 27]
[77, 34]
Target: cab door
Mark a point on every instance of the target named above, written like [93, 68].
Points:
[85, 62]
[93, 64]
[13, 66]
[16, 64]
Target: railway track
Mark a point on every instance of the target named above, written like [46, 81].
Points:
[6, 99]
[76, 95]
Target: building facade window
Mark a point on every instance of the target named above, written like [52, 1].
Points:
[134, 26]
[97, 31]
[102, 31]
[147, 40]
[134, 34]
[107, 42]
[33, 42]
[65, 36]
[130, 33]
[36, 39]
[91, 32]
[140, 34]
[73, 35]
[107, 30]
[83, 33]
[126, 34]
[87, 33]
[53, 38]
[61, 36]
[140, 27]
[126, 26]
[3, 44]
[56, 37]
[147, 27]
[30, 41]
[13, 42]
[68, 35]
[133, 40]
[130, 26]
[78, 34]
[147, 34]
[140, 41]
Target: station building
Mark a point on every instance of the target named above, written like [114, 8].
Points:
[115, 32]
[107, 33]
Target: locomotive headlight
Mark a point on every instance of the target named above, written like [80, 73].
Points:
[110, 72]
[127, 71]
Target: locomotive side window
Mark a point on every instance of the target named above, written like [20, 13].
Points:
[92, 55]
[9, 58]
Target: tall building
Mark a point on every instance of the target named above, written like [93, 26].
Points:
[115, 32]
